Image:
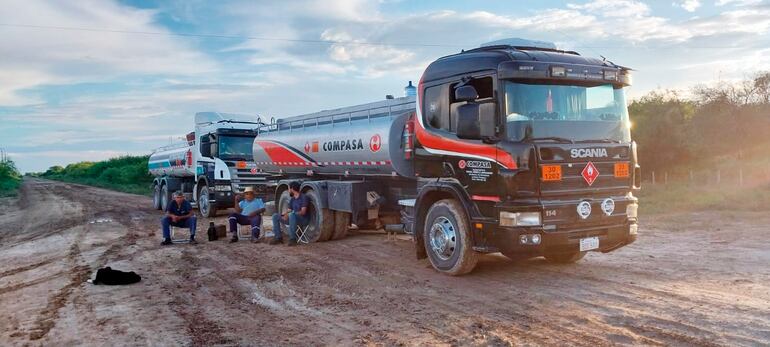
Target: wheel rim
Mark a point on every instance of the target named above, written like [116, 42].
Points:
[164, 198]
[443, 238]
[156, 197]
[204, 201]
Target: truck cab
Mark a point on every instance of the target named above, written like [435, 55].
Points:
[533, 145]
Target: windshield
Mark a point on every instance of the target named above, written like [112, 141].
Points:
[235, 147]
[576, 112]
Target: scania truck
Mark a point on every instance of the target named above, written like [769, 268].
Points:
[213, 163]
[514, 147]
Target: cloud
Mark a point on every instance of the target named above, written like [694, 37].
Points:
[55, 56]
[688, 5]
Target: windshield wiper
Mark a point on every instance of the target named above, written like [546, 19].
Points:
[605, 140]
[549, 138]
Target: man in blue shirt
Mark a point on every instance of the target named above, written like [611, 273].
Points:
[179, 214]
[296, 214]
[247, 212]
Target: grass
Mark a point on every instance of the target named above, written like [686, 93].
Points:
[659, 199]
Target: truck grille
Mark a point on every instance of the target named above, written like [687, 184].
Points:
[573, 182]
[243, 178]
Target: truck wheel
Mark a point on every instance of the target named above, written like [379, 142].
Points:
[164, 197]
[565, 258]
[321, 219]
[206, 208]
[448, 239]
[280, 206]
[156, 197]
[341, 224]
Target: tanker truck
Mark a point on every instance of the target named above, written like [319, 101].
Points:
[518, 148]
[213, 163]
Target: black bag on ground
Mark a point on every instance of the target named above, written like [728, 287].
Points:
[109, 276]
[212, 232]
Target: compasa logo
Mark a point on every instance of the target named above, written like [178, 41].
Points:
[375, 143]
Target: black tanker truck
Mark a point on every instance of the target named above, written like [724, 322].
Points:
[514, 147]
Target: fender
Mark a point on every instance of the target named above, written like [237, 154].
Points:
[173, 184]
[446, 188]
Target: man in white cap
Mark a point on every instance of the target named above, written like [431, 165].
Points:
[247, 212]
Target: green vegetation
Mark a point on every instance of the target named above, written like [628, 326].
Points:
[711, 147]
[126, 174]
[10, 179]
[724, 123]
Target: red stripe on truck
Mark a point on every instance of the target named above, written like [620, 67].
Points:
[491, 152]
[278, 153]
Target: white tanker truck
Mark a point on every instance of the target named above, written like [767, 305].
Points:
[210, 166]
[513, 147]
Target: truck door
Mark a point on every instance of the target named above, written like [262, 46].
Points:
[472, 162]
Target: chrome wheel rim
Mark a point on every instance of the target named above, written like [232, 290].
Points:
[443, 238]
[204, 201]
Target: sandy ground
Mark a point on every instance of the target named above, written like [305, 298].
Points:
[691, 279]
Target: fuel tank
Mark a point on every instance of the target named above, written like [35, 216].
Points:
[359, 140]
[174, 160]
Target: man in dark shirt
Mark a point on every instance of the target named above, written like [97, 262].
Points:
[296, 214]
[179, 214]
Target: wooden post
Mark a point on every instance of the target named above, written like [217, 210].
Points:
[691, 176]
[653, 178]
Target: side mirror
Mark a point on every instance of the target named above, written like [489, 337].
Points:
[466, 93]
[468, 126]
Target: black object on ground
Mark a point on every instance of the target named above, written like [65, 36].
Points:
[109, 276]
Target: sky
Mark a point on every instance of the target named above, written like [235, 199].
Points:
[89, 80]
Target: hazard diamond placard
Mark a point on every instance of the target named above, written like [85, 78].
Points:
[590, 173]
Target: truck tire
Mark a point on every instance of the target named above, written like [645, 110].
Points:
[565, 258]
[156, 197]
[448, 239]
[164, 197]
[206, 208]
[321, 219]
[341, 224]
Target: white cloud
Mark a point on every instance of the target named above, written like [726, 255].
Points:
[36, 56]
[738, 2]
[688, 5]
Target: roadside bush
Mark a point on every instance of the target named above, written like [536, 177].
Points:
[10, 179]
[126, 173]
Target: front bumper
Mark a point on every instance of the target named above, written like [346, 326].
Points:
[562, 228]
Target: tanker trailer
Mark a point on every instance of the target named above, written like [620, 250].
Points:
[514, 147]
[351, 161]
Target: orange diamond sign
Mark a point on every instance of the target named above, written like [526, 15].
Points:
[590, 173]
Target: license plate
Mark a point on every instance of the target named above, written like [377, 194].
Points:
[589, 243]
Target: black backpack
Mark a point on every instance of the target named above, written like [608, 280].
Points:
[212, 232]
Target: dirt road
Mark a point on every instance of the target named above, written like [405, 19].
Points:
[690, 279]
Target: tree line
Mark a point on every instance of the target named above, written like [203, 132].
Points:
[125, 173]
[724, 124]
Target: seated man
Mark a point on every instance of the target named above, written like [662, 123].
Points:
[247, 212]
[296, 214]
[179, 214]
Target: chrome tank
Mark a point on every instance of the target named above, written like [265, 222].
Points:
[359, 140]
[174, 160]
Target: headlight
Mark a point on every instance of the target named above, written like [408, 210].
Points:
[514, 219]
[631, 210]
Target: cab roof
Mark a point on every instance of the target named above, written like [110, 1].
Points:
[489, 57]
